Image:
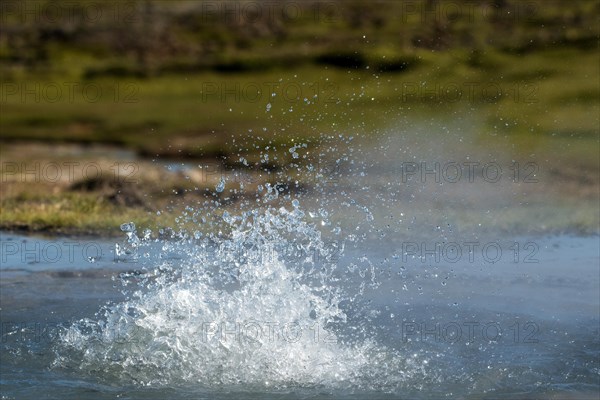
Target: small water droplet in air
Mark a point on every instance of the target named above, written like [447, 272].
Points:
[220, 186]
[128, 227]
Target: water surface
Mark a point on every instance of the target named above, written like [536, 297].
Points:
[374, 322]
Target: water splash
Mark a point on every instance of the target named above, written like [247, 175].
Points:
[258, 307]
[256, 298]
[220, 186]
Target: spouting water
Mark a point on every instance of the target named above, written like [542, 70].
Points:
[259, 306]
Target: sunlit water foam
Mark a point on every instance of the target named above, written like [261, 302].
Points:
[249, 308]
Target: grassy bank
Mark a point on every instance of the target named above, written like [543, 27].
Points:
[197, 115]
[183, 78]
[171, 82]
[549, 117]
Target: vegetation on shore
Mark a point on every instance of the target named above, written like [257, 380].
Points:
[201, 81]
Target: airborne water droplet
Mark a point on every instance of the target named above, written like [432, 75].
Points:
[220, 186]
[128, 227]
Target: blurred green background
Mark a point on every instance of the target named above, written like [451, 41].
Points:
[194, 79]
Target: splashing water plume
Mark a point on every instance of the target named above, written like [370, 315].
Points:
[258, 307]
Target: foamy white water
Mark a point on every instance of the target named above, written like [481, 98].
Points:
[258, 307]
